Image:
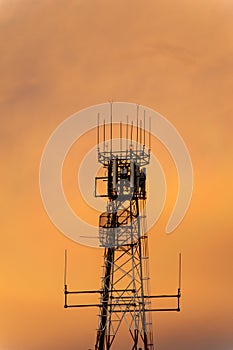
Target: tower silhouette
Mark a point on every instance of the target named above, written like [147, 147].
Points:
[125, 292]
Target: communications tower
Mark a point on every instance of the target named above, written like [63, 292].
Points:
[124, 294]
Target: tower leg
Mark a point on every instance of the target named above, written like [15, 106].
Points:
[101, 335]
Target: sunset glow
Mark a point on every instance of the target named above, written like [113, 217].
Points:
[58, 57]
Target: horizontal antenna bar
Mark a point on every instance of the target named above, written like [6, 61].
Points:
[84, 292]
[146, 310]
[153, 296]
[177, 309]
[82, 305]
[99, 305]
[164, 296]
[98, 291]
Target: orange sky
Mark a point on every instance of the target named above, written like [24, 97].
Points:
[58, 57]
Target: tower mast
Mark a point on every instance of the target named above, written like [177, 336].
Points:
[124, 292]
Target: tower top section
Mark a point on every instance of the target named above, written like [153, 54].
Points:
[124, 140]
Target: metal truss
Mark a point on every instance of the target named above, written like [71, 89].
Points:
[125, 284]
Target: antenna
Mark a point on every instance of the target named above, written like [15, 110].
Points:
[131, 133]
[65, 266]
[140, 135]
[179, 286]
[111, 127]
[104, 135]
[180, 271]
[65, 284]
[127, 120]
[137, 128]
[121, 137]
[150, 133]
[98, 132]
[144, 127]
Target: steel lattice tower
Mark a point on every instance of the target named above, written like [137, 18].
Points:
[124, 293]
[122, 233]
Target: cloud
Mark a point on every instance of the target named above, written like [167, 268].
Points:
[60, 56]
